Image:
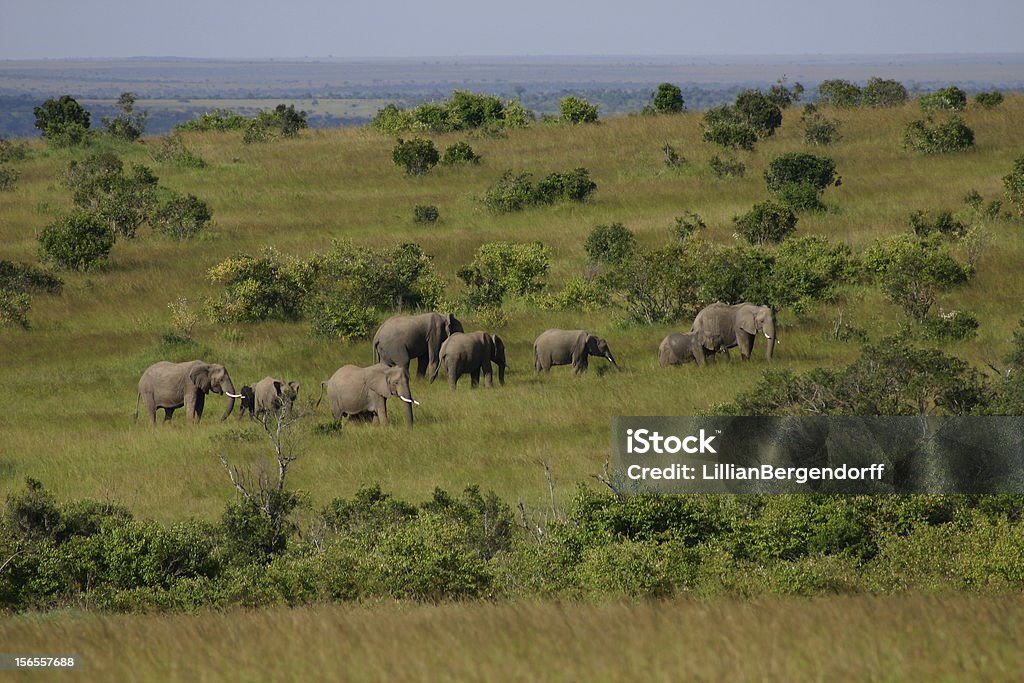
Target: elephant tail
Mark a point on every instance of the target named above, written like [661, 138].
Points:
[376, 352]
[323, 385]
[137, 399]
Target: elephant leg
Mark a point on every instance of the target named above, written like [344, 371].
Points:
[423, 366]
[168, 412]
[151, 411]
[488, 376]
[700, 357]
[200, 404]
[453, 379]
[746, 344]
[474, 377]
[380, 406]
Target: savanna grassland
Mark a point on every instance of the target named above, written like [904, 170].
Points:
[71, 390]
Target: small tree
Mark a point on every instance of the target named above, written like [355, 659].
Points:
[723, 168]
[766, 223]
[181, 216]
[783, 96]
[881, 92]
[425, 213]
[8, 178]
[501, 269]
[818, 130]
[798, 179]
[611, 244]
[688, 225]
[668, 99]
[79, 240]
[731, 135]
[989, 100]
[840, 93]
[417, 155]
[129, 124]
[951, 136]
[576, 110]
[946, 99]
[1014, 184]
[758, 111]
[62, 120]
[459, 153]
[911, 272]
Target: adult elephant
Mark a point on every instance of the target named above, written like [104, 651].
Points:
[174, 385]
[463, 354]
[721, 327]
[362, 393]
[678, 348]
[404, 337]
[562, 347]
[269, 395]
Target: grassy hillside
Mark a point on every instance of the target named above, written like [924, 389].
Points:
[71, 380]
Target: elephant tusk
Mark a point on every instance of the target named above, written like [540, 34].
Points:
[409, 400]
[766, 335]
[228, 393]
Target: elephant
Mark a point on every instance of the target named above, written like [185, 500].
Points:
[362, 393]
[173, 385]
[561, 347]
[248, 401]
[404, 337]
[721, 326]
[463, 354]
[269, 395]
[678, 348]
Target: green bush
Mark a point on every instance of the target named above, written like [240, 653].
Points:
[840, 93]
[216, 120]
[417, 156]
[951, 326]
[731, 135]
[658, 285]
[577, 110]
[514, 192]
[808, 269]
[758, 111]
[942, 223]
[62, 121]
[951, 136]
[579, 294]
[100, 185]
[468, 110]
[459, 153]
[181, 216]
[463, 111]
[264, 287]
[1014, 184]
[425, 213]
[783, 96]
[129, 124]
[501, 269]
[171, 149]
[766, 223]
[8, 178]
[283, 121]
[610, 244]
[668, 99]
[818, 130]
[333, 319]
[880, 92]
[946, 99]
[515, 115]
[800, 167]
[14, 308]
[989, 100]
[22, 277]
[79, 240]
[688, 225]
[12, 151]
[722, 168]
[570, 186]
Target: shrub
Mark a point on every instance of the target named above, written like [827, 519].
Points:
[398, 277]
[951, 326]
[943, 223]
[881, 92]
[989, 100]
[570, 186]
[946, 99]
[468, 110]
[417, 156]
[611, 244]
[766, 223]
[12, 151]
[758, 111]
[797, 179]
[510, 193]
[264, 287]
[951, 136]
[515, 192]
[576, 110]
[129, 124]
[14, 308]
[839, 93]
[687, 225]
[333, 319]
[731, 135]
[782, 96]
[580, 294]
[62, 121]
[282, 121]
[722, 168]
[515, 115]
[171, 149]
[425, 213]
[911, 272]
[672, 158]
[808, 269]
[21, 277]
[181, 216]
[459, 153]
[1014, 184]
[501, 269]
[657, 285]
[818, 130]
[8, 178]
[216, 120]
[668, 99]
[100, 185]
[79, 240]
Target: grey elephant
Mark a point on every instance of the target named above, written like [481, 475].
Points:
[174, 385]
[361, 394]
[269, 395]
[470, 354]
[678, 348]
[720, 327]
[404, 337]
[562, 347]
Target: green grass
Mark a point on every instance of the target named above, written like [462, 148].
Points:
[71, 380]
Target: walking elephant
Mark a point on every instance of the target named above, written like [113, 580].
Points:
[361, 394]
[269, 395]
[721, 327]
[562, 347]
[174, 385]
[678, 348]
[404, 337]
[463, 354]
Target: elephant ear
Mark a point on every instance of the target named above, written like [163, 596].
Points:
[579, 346]
[200, 377]
[499, 350]
[378, 384]
[746, 321]
[451, 325]
[277, 387]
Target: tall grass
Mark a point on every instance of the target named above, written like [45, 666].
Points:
[71, 380]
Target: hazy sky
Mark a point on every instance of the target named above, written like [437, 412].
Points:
[31, 29]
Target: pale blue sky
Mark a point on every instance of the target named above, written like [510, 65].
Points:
[31, 29]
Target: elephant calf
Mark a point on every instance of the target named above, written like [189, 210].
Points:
[562, 347]
[463, 354]
[362, 393]
[678, 348]
[269, 395]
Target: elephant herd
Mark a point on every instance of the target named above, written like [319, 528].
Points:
[438, 341]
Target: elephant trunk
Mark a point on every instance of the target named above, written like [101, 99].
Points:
[408, 413]
[769, 333]
[229, 389]
[771, 348]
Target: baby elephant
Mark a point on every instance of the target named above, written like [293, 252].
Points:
[561, 347]
[678, 348]
[361, 394]
[269, 396]
[463, 354]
